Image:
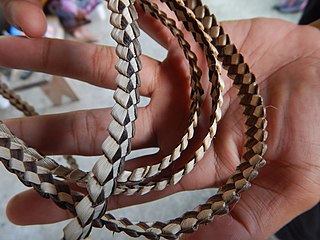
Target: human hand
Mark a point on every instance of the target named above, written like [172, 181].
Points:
[287, 69]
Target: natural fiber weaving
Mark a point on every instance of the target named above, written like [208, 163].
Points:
[107, 176]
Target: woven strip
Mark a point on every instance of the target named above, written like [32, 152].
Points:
[195, 72]
[150, 171]
[26, 163]
[196, 93]
[78, 175]
[102, 179]
[244, 80]
[39, 172]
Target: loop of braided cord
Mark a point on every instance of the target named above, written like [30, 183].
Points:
[77, 175]
[130, 187]
[140, 174]
[238, 70]
[229, 193]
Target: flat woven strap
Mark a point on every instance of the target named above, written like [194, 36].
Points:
[107, 177]
[102, 179]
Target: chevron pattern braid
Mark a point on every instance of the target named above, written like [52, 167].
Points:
[16, 101]
[102, 179]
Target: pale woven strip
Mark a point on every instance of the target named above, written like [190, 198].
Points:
[239, 71]
[102, 179]
[68, 174]
[216, 115]
[163, 182]
[195, 72]
[27, 164]
[252, 160]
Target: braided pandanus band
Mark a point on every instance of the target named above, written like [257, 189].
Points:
[108, 177]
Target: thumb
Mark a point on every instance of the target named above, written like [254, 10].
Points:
[28, 16]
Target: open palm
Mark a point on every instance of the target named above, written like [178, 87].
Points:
[286, 61]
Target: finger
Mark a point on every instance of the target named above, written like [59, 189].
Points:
[222, 227]
[249, 35]
[154, 28]
[26, 15]
[29, 208]
[80, 132]
[87, 62]
[157, 30]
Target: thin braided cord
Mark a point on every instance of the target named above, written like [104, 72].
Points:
[228, 193]
[79, 176]
[239, 71]
[61, 171]
[26, 163]
[159, 185]
[195, 72]
[130, 187]
[140, 174]
[16, 100]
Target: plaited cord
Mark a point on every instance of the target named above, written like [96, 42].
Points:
[41, 172]
[102, 179]
[16, 101]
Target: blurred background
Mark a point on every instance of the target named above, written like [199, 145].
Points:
[54, 94]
